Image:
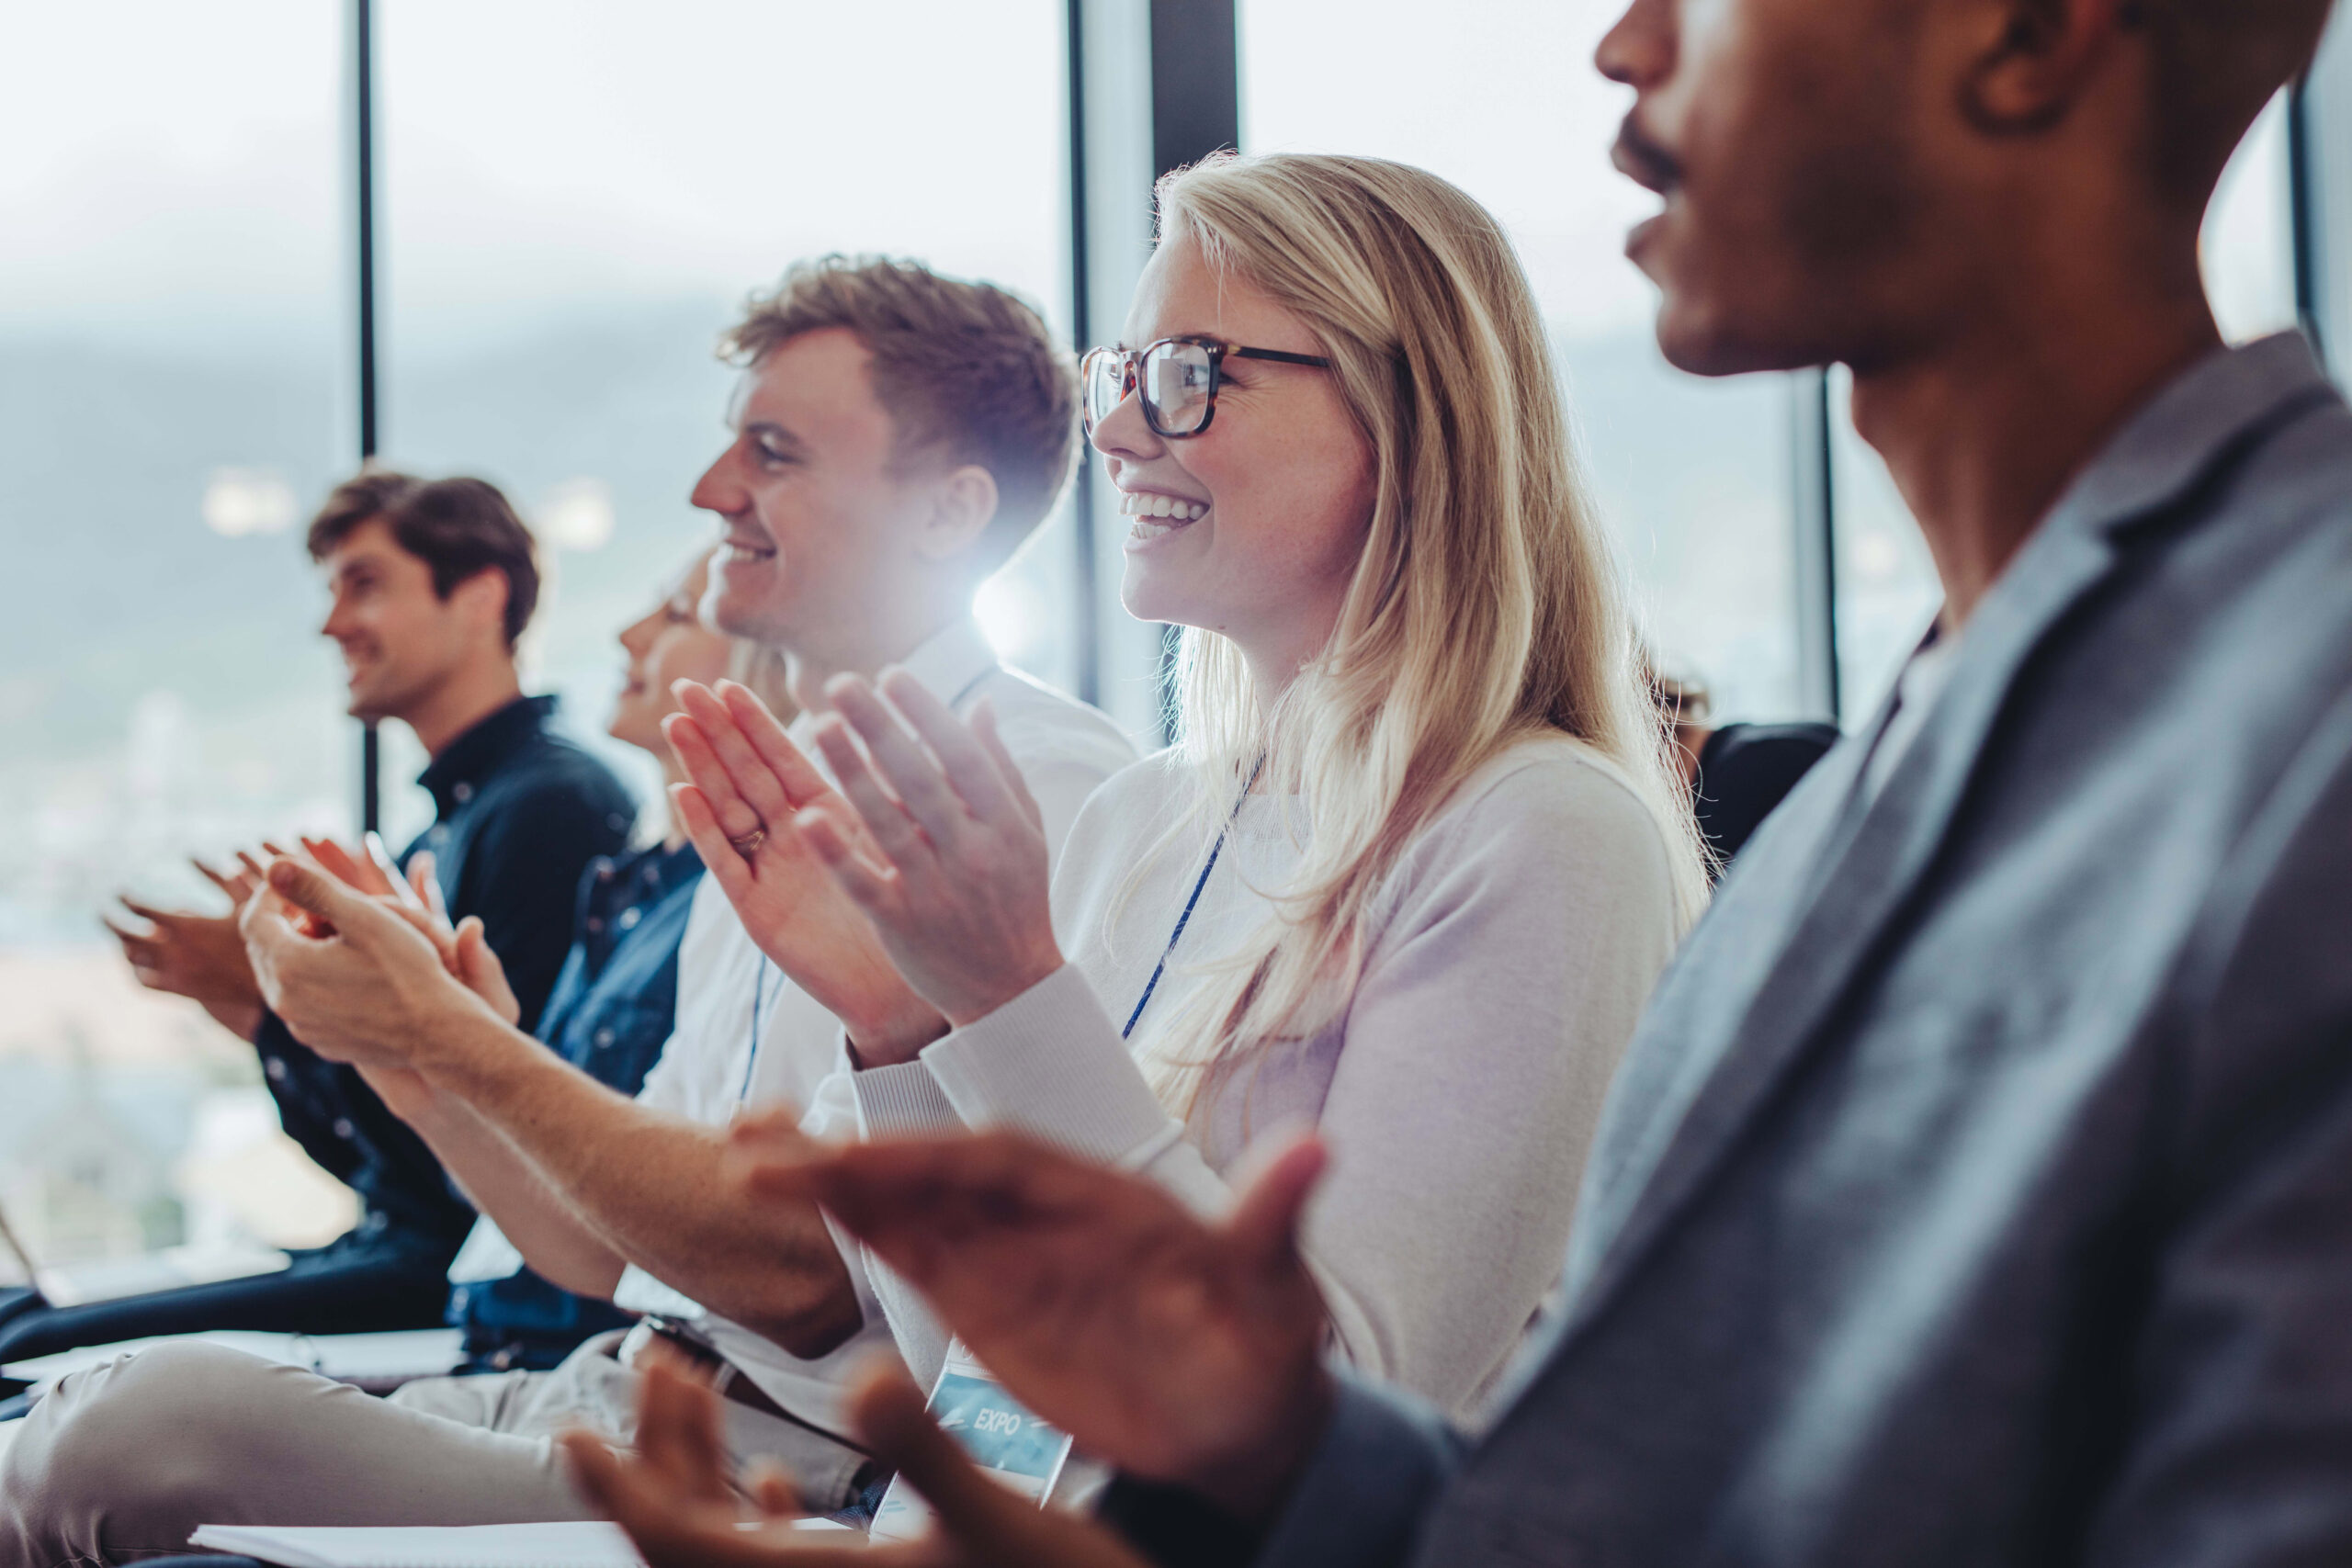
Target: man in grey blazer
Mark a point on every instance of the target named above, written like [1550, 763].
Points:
[1979, 1187]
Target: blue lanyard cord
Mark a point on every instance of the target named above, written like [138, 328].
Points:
[759, 981]
[759, 1002]
[1199, 886]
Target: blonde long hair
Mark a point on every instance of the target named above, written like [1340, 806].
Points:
[1486, 609]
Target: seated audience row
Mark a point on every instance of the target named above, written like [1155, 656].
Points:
[1972, 1187]
[1363, 723]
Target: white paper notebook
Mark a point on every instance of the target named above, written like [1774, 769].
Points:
[582, 1544]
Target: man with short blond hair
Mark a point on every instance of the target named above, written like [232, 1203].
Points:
[897, 434]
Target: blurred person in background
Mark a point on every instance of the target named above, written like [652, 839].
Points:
[615, 1003]
[432, 583]
[1738, 773]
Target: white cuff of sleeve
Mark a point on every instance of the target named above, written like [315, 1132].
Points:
[901, 1098]
[1050, 1063]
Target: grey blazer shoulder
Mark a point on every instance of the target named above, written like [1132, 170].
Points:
[1979, 1187]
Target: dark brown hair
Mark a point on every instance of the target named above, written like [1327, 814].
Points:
[965, 370]
[459, 527]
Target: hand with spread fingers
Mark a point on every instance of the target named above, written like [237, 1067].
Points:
[198, 956]
[952, 869]
[355, 978]
[674, 1497]
[749, 786]
[1185, 1352]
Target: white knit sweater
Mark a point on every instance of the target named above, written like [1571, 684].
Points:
[1510, 954]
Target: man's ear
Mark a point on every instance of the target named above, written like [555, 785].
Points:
[481, 599]
[963, 503]
[2036, 58]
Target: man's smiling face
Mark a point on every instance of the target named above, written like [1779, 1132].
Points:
[399, 638]
[817, 518]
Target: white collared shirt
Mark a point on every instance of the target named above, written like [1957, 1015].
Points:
[709, 1070]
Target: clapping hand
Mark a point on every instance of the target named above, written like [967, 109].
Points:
[673, 1494]
[1185, 1352]
[356, 979]
[200, 957]
[749, 786]
[465, 949]
[951, 866]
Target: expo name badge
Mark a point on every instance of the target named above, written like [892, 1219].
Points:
[1012, 1445]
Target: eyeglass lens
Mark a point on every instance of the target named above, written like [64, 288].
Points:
[1174, 379]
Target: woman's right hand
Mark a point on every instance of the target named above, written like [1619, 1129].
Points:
[748, 784]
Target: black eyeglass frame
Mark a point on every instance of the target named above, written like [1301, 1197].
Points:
[1218, 352]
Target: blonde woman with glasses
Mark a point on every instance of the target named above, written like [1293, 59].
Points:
[1418, 857]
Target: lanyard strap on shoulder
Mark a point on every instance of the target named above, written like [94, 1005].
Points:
[1199, 886]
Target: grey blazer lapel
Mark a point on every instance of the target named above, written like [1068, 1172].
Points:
[2213, 416]
[1872, 866]
[1693, 1018]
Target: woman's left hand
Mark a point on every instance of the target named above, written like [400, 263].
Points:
[960, 894]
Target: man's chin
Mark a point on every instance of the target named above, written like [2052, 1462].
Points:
[368, 702]
[1712, 341]
[732, 608]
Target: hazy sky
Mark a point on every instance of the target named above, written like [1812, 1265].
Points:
[539, 153]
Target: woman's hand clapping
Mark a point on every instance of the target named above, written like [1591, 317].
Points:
[951, 866]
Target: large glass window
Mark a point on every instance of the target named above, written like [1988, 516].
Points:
[2249, 235]
[170, 320]
[1887, 591]
[1502, 99]
[580, 193]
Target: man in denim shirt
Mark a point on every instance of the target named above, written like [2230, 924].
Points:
[614, 1004]
[612, 1008]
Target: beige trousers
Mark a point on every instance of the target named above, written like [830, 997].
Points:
[125, 1460]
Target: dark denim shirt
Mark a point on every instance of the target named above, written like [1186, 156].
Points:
[519, 814]
[611, 1011]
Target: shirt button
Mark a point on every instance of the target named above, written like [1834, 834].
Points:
[604, 869]
[617, 822]
[595, 922]
[629, 916]
[604, 1038]
[437, 833]
[275, 1069]
[344, 1130]
[461, 793]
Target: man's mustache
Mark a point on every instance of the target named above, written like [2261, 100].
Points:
[1643, 160]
